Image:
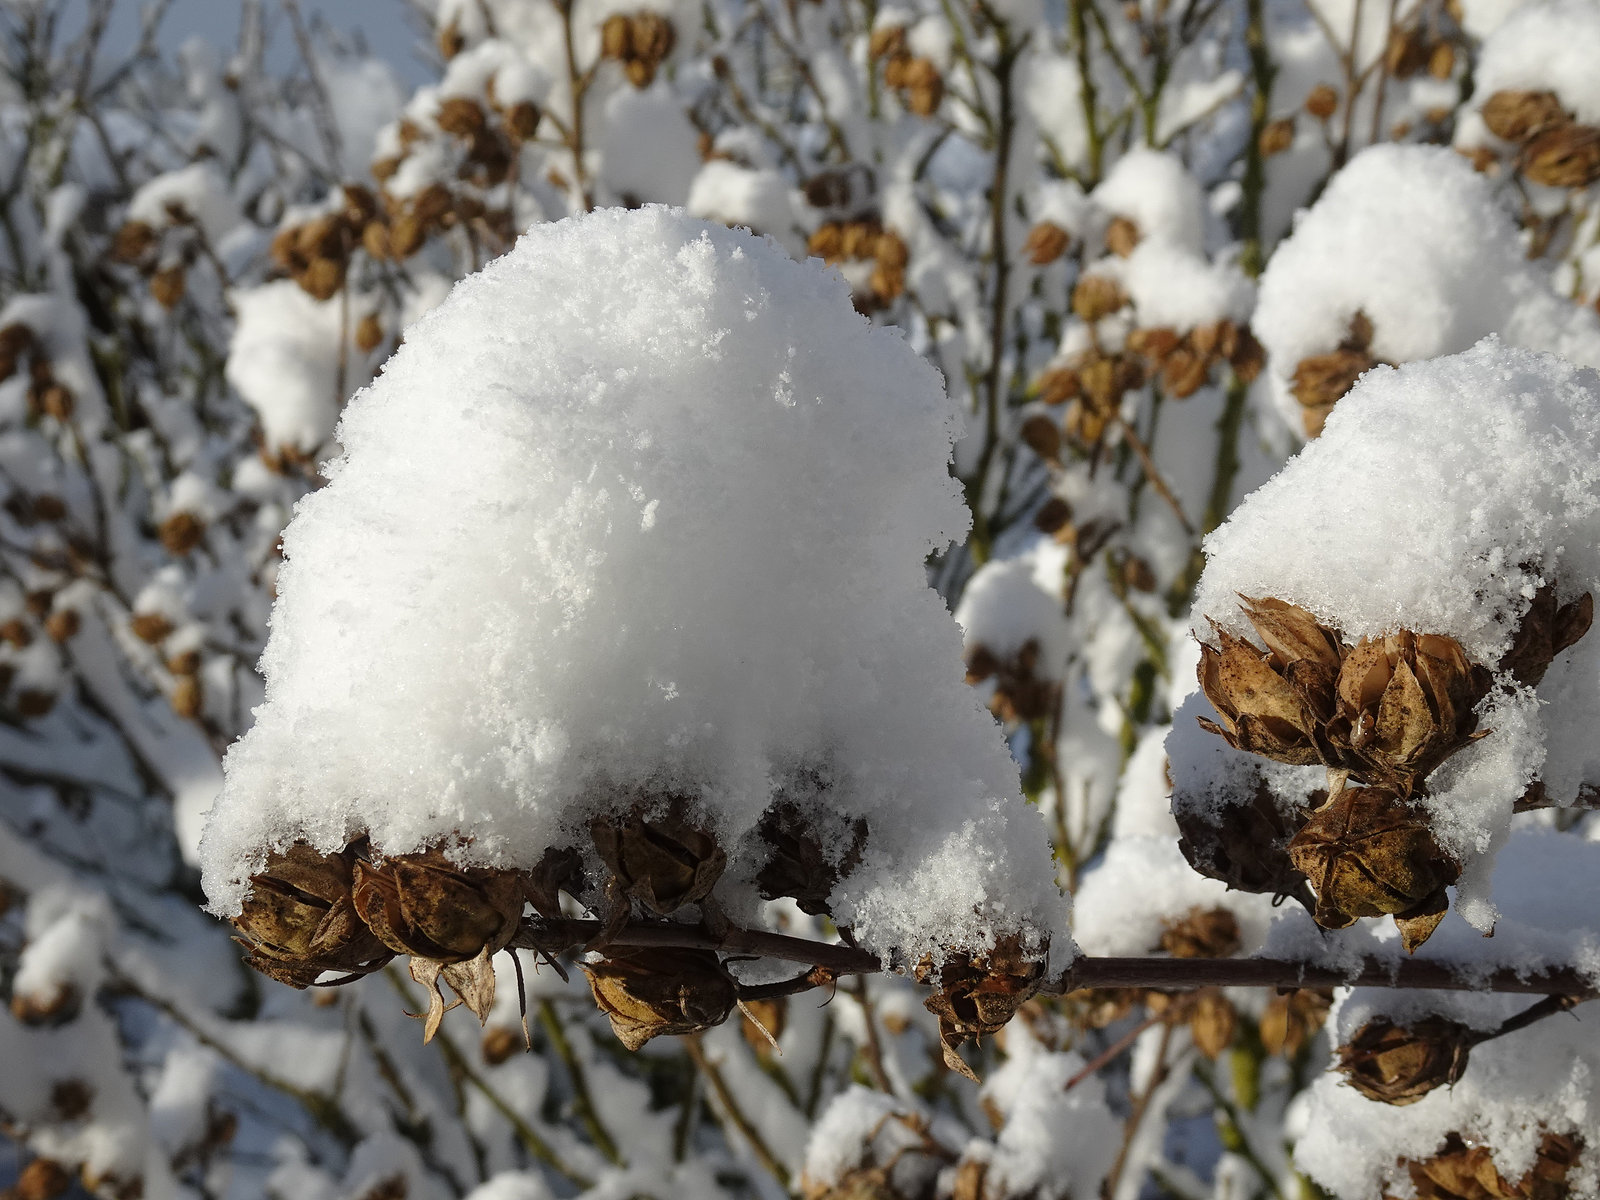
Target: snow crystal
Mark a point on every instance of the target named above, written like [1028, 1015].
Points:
[1439, 498]
[1414, 239]
[664, 536]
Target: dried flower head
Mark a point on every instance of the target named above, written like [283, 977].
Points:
[1517, 116]
[1367, 852]
[978, 994]
[1246, 846]
[659, 855]
[808, 852]
[1202, 933]
[650, 992]
[300, 919]
[1399, 1064]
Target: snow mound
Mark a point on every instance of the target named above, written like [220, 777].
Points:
[640, 510]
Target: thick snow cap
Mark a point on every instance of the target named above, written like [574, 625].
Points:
[642, 507]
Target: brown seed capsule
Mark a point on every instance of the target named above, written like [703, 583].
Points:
[1058, 385]
[451, 43]
[186, 663]
[1322, 379]
[1322, 102]
[665, 859]
[167, 286]
[1184, 373]
[1153, 344]
[1246, 846]
[16, 632]
[187, 697]
[1202, 933]
[460, 116]
[522, 120]
[1097, 296]
[70, 1099]
[1276, 136]
[1291, 1020]
[429, 907]
[1544, 632]
[133, 241]
[499, 1044]
[1043, 436]
[181, 532]
[55, 401]
[764, 1020]
[369, 333]
[650, 992]
[406, 235]
[1442, 60]
[808, 851]
[150, 627]
[1518, 116]
[1368, 853]
[34, 702]
[1274, 703]
[1405, 703]
[1046, 242]
[1407, 52]
[978, 994]
[322, 277]
[887, 41]
[42, 1179]
[57, 1005]
[1568, 157]
[1400, 1065]
[1212, 1022]
[299, 919]
[1458, 1171]
[1247, 357]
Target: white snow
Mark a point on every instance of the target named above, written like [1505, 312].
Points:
[664, 535]
[1549, 46]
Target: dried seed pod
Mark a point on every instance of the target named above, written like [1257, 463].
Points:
[149, 627]
[1517, 116]
[1400, 1065]
[322, 277]
[460, 116]
[649, 992]
[522, 120]
[1458, 1171]
[181, 532]
[1568, 157]
[665, 860]
[1276, 136]
[809, 850]
[1097, 296]
[1043, 436]
[1246, 846]
[1202, 933]
[500, 1044]
[978, 994]
[891, 251]
[1247, 357]
[1291, 1020]
[1122, 235]
[1153, 344]
[450, 41]
[887, 41]
[16, 632]
[187, 697]
[1212, 1022]
[1046, 242]
[559, 869]
[1368, 853]
[1405, 703]
[133, 241]
[369, 333]
[763, 1024]
[1273, 704]
[1322, 379]
[1058, 385]
[299, 919]
[827, 243]
[1407, 52]
[1322, 101]
[429, 907]
[58, 1005]
[42, 1179]
[168, 285]
[1184, 373]
[1545, 630]
[70, 1099]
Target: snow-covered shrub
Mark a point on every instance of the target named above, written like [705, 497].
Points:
[1084, 217]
